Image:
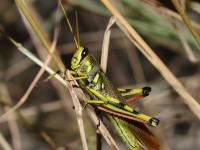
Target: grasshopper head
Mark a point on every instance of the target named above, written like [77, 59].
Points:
[79, 57]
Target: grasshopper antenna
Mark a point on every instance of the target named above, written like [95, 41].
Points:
[77, 42]
[77, 32]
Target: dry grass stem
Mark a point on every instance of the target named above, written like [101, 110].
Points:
[189, 53]
[78, 110]
[105, 46]
[5, 144]
[187, 21]
[32, 85]
[153, 58]
[25, 13]
[78, 93]
[169, 13]
[12, 122]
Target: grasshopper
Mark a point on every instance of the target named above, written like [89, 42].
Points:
[104, 94]
[129, 123]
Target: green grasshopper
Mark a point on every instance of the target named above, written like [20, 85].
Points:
[104, 94]
[128, 122]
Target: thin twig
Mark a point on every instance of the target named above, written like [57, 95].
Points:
[12, 122]
[187, 21]
[106, 41]
[29, 90]
[4, 144]
[154, 59]
[38, 31]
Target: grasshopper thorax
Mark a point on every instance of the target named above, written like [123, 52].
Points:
[79, 57]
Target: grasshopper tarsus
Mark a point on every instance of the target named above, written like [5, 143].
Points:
[146, 90]
[84, 105]
[153, 122]
[41, 82]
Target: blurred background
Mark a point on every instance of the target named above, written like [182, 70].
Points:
[48, 110]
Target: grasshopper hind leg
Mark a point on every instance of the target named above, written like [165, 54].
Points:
[138, 93]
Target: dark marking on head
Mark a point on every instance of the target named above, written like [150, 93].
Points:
[85, 52]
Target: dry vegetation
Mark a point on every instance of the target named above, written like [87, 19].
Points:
[47, 120]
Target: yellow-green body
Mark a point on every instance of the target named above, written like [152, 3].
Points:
[102, 92]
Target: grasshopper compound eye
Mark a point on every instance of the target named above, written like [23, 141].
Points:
[85, 52]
